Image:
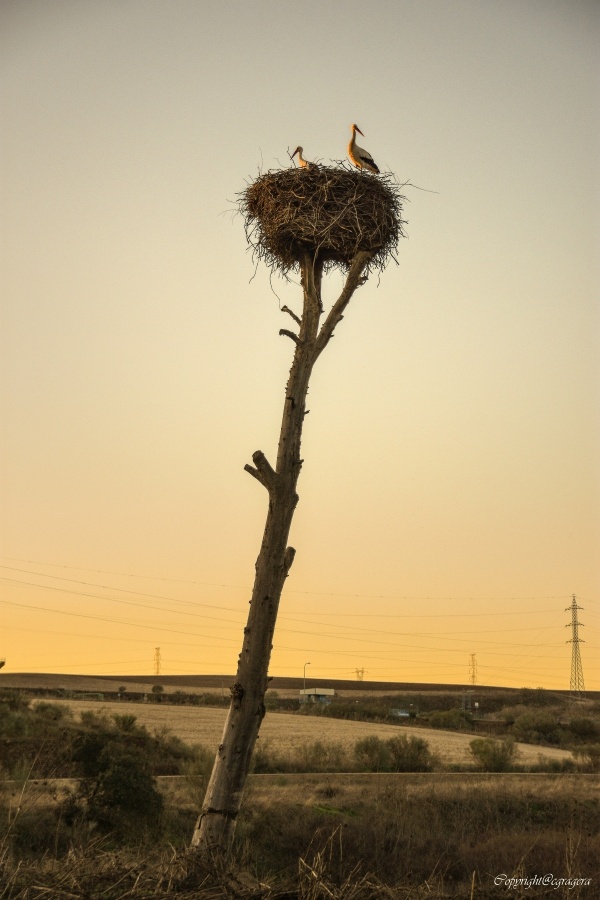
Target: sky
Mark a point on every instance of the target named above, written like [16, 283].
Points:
[450, 495]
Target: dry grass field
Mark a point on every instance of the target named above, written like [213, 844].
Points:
[352, 788]
[349, 788]
[283, 731]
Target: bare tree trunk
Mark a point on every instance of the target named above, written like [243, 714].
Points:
[216, 823]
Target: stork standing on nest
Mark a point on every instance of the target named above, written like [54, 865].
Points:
[303, 163]
[362, 159]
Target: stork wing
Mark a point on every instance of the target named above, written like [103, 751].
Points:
[369, 161]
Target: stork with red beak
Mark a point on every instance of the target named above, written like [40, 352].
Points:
[303, 163]
[362, 159]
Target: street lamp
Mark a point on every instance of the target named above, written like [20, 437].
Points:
[304, 691]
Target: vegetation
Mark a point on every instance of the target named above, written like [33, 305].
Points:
[320, 837]
[493, 756]
[118, 832]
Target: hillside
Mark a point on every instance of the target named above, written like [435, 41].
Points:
[195, 683]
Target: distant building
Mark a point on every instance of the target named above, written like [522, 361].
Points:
[317, 695]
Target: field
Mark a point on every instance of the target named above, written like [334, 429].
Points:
[283, 731]
[347, 837]
[309, 833]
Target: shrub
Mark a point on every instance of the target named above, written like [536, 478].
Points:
[558, 766]
[537, 727]
[453, 719]
[53, 711]
[409, 754]
[265, 760]
[122, 797]
[125, 722]
[584, 728]
[92, 719]
[493, 756]
[197, 771]
[589, 754]
[14, 700]
[372, 754]
[320, 757]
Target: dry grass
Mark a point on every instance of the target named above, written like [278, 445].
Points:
[349, 837]
[284, 732]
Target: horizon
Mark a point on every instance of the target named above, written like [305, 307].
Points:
[285, 682]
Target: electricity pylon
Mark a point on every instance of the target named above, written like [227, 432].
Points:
[157, 660]
[577, 688]
[473, 671]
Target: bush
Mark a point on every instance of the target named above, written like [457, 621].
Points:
[53, 711]
[453, 719]
[557, 766]
[122, 797]
[584, 728]
[265, 760]
[125, 722]
[410, 754]
[197, 772]
[493, 756]
[118, 796]
[372, 755]
[589, 754]
[320, 757]
[14, 700]
[537, 727]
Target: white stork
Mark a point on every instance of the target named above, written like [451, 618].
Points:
[303, 163]
[362, 159]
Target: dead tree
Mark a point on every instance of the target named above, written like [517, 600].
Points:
[309, 220]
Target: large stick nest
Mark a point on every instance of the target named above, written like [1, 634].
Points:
[334, 213]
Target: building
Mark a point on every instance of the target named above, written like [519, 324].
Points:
[317, 695]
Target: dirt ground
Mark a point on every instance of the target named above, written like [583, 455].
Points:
[282, 731]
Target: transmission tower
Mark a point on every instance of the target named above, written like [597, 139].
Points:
[473, 671]
[157, 660]
[360, 674]
[577, 686]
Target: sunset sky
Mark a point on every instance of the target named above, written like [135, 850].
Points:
[450, 495]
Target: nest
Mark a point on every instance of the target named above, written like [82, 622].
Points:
[334, 213]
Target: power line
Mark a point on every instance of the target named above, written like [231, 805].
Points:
[288, 589]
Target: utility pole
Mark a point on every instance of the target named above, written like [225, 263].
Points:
[157, 660]
[577, 688]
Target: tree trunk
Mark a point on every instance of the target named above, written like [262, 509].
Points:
[216, 823]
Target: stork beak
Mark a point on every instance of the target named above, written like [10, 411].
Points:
[358, 129]
[294, 153]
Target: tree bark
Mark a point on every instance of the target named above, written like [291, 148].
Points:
[216, 823]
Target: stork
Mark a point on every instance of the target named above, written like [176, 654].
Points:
[303, 163]
[362, 159]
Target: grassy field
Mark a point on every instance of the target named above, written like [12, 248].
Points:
[283, 731]
[350, 837]
[340, 835]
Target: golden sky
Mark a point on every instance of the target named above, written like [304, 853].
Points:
[450, 496]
